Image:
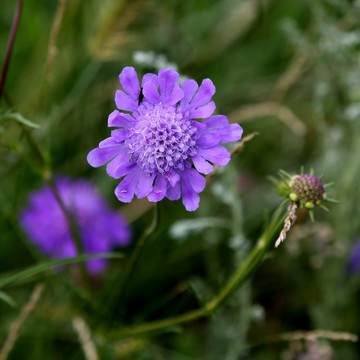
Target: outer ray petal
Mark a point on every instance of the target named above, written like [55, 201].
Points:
[201, 165]
[120, 160]
[189, 88]
[130, 82]
[196, 180]
[151, 93]
[204, 94]
[173, 192]
[159, 190]
[117, 119]
[217, 155]
[100, 156]
[208, 140]
[190, 197]
[167, 80]
[126, 189]
[203, 111]
[145, 185]
[125, 102]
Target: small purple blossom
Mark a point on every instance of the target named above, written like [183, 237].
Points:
[101, 229]
[353, 265]
[159, 149]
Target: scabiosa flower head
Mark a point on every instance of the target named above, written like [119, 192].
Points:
[301, 190]
[160, 149]
[101, 229]
[307, 189]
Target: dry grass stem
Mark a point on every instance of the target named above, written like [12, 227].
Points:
[53, 36]
[238, 147]
[16, 327]
[289, 77]
[270, 108]
[289, 221]
[316, 334]
[85, 339]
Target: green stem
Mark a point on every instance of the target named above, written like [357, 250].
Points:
[241, 275]
[131, 263]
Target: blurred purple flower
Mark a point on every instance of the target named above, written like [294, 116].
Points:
[354, 259]
[160, 149]
[101, 229]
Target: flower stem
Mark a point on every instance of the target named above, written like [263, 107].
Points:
[241, 275]
[9, 48]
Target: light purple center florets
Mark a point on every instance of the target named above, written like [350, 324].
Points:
[162, 139]
[308, 188]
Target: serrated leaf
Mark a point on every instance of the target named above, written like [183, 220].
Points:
[7, 299]
[46, 265]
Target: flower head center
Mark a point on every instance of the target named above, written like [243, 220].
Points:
[308, 188]
[162, 139]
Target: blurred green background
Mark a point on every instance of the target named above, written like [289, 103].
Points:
[289, 70]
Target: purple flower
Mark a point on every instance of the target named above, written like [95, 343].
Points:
[353, 265]
[101, 229]
[160, 149]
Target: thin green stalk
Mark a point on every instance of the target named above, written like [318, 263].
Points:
[241, 275]
[132, 261]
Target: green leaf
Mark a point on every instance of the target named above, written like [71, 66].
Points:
[6, 298]
[20, 119]
[46, 265]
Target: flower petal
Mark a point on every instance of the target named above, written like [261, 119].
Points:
[120, 134]
[203, 111]
[125, 102]
[117, 119]
[159, 190]
[130, 82]
[196, 180]
[217, 155]
[113, 165]
[216, 122]
[150, 77]
[145, 185]
[199, 125]
[202, 165]
[126, 189]
[151, 93]
[190, 198]
[173, 177]
[189, 88]
[100, 156]
[209, 139]
[231, 133]
[173, 192]
[167, 80]
[108, 142]
[204, 94]
[123, 169]
[176, 95]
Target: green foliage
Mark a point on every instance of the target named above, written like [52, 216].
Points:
[285, 69]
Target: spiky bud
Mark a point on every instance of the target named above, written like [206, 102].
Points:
[307, 190]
